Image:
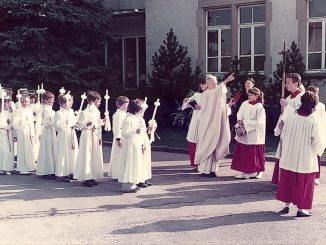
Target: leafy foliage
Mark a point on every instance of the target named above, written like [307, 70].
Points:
[56, 42]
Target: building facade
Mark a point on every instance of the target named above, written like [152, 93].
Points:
[216, 31]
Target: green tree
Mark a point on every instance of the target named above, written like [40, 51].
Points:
[172, 75]
[293, 63]
[56, 42]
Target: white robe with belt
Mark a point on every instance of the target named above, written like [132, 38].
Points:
[47, 156]
[6, 142]
[23, 123]
[132, 156]
[65, 122]
[116, 151]
[89, 164]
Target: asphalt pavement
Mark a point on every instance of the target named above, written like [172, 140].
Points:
[181, 207]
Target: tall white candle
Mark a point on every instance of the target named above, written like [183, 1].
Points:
[106, 100]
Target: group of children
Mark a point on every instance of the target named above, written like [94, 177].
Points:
[301, 126]
[45, 141]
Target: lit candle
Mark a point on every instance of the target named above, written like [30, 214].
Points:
[145, 100]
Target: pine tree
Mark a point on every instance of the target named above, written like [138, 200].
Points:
[56, 42]
[172, 75]
[293, 63]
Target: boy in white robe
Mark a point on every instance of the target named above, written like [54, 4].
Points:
[89, 165]
[65, 123]
[320, 111]
[23, 123]
[132, 152]
[289, 105]
[117, 120]
[47, 156]
[6, 139]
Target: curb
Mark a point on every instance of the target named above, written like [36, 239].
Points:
[186, 151]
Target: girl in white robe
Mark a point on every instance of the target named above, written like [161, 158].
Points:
[23, 123]
[132, 152]
[249, 155]
[37, 109]
[117, 120]
[65, 122]
[47, 156]
[6, 139]
[301, 143]
[89, 164]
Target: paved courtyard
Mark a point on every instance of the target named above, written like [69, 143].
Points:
[181, 207]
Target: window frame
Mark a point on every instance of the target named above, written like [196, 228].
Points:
[323, 45]
[219, 29]
[137, 62]
[252, 27]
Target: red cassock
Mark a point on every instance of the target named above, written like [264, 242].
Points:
[249, 159]
[296, 188]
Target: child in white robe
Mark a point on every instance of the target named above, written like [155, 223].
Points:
[47, 156]
[65, 123]
[249, 155]
[301, 143]
[23, 123]
[290, 104]
[132, 155]
[117, 120]
[320, 111]
[6, 139]
[146, 148]
[89, 165]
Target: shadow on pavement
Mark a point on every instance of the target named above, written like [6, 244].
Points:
[206, 223]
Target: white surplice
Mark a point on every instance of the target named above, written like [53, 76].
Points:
[301, 143]
[23, 123]
[132, 156]
[89, 164]
[6, 142]
[254, 120]
[65, 122]
[47, 156]
[116, 151]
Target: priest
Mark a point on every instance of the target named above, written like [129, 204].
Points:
[214, 130]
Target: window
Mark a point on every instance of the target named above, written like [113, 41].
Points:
[127, 56]
[218, 36]
[134, 62]
[251, 34]
[316, 35]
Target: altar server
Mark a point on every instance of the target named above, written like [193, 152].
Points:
[301, 144]
[249, 155]
[65, 123]
[89, 164]
[117, 120]
[23, 123]
[6, 138]
[47, 156]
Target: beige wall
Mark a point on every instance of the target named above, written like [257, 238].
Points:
[161, 15]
